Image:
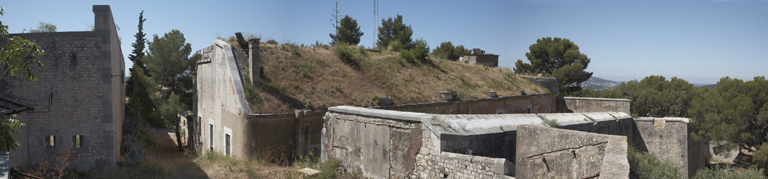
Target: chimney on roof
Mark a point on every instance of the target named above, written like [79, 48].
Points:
[254, 72]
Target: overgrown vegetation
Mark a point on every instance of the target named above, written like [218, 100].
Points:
[647, 165]
[447, 51]
[723, 173]
[349, 75]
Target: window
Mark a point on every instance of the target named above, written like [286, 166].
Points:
[211, 134]
[77, 140]
[229, 148]
[50, 140]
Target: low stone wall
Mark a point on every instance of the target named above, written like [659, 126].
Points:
[544, 152]
[580, 105]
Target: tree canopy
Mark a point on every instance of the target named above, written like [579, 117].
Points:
[735, 112]
[347, 32]
[394, 31]
[654, 96]
[560, 58]
[169, 63]
[16, 55]
[446, 50]
[44, 27]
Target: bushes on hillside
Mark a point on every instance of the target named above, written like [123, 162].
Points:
[418, 52]
[347, 55]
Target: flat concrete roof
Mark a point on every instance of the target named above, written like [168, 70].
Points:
[474, 124]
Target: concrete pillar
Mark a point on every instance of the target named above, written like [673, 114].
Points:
[253, 61]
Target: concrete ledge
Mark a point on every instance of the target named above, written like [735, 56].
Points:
[597, 99]
[666, 119]
[380, 113]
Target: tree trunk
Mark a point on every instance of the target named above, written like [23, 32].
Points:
[178, 134]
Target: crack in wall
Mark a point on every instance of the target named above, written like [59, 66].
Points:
[565, 149]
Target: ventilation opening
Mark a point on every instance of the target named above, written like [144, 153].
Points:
[211, 134]
[77, 140]
[50, 141]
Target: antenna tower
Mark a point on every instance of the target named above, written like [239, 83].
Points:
[375, 22]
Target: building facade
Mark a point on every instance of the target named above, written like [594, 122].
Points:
[78, 100]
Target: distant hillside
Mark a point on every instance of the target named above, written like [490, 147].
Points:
[597, 83]
[315, 78]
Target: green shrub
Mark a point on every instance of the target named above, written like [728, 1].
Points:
[346, 55]
[723, 173]
[251, 93]
[646, 165]
[294, 49]
[760, 157]
[272, 41]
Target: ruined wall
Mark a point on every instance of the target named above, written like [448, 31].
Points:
[79, 92]
[544, 152]
[579, 104]
[668, 138]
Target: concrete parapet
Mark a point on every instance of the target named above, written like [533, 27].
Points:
[580, 104]
[544, 152]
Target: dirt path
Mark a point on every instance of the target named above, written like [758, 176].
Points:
[166, 153]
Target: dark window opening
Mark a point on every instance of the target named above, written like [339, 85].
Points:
[77, 140]
[228, 144]
[50, 140]
[211, 134]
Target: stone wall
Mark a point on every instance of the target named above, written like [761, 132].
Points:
[79, 92]
[490, 60]
[579, 104]
[668, 138]
[544, 152]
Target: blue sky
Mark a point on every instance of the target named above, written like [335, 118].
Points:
[700, 41]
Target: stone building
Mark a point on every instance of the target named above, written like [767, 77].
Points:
[481, 58]
[78, 100]
[225, 123]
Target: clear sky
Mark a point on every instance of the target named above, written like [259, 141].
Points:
[699, 41]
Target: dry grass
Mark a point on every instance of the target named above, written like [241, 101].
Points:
[315, 78]
[165, 161]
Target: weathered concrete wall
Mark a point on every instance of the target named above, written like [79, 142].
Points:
[223, 111]
[79, 92]
[544, 152]
[379, 147]
[579, 105]
[669, 139]
[539, 103]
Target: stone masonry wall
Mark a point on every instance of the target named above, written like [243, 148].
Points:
[78, 92]
[432, 162]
